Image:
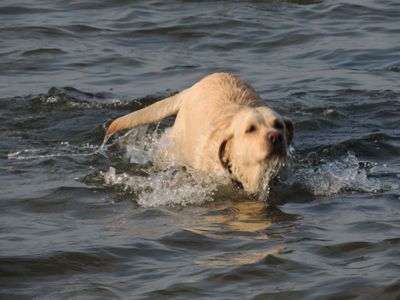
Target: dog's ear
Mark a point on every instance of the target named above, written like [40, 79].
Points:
[224, 153]
[289, 130]
[223, 134]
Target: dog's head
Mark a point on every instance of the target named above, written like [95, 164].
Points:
[256, 139]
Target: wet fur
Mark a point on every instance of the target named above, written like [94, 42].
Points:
[211, 131]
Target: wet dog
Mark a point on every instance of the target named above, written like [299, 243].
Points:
[221, 126]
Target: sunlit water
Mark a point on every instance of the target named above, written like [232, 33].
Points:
[81, 221]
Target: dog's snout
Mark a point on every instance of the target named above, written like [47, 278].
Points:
[275, 137]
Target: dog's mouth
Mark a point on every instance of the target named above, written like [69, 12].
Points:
[270, 168]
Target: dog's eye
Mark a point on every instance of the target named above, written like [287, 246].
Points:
[251, 129]
[278, 124]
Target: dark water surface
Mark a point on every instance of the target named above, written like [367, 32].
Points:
[79, 224]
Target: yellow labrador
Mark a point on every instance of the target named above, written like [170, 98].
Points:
[221, 126]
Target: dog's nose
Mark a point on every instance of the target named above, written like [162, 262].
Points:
[275, 137]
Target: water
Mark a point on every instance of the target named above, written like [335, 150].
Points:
[78, 222]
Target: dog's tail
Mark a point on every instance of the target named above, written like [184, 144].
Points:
[153, 113]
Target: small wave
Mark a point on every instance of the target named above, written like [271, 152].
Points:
[69, 98]
[44, 51]
[20, 10]
[62, 149]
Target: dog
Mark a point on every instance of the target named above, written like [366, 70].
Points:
[221, 126]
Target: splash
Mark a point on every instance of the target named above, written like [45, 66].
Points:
[170, 187]
[271, 170]
[166, 183]
[332, 177]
